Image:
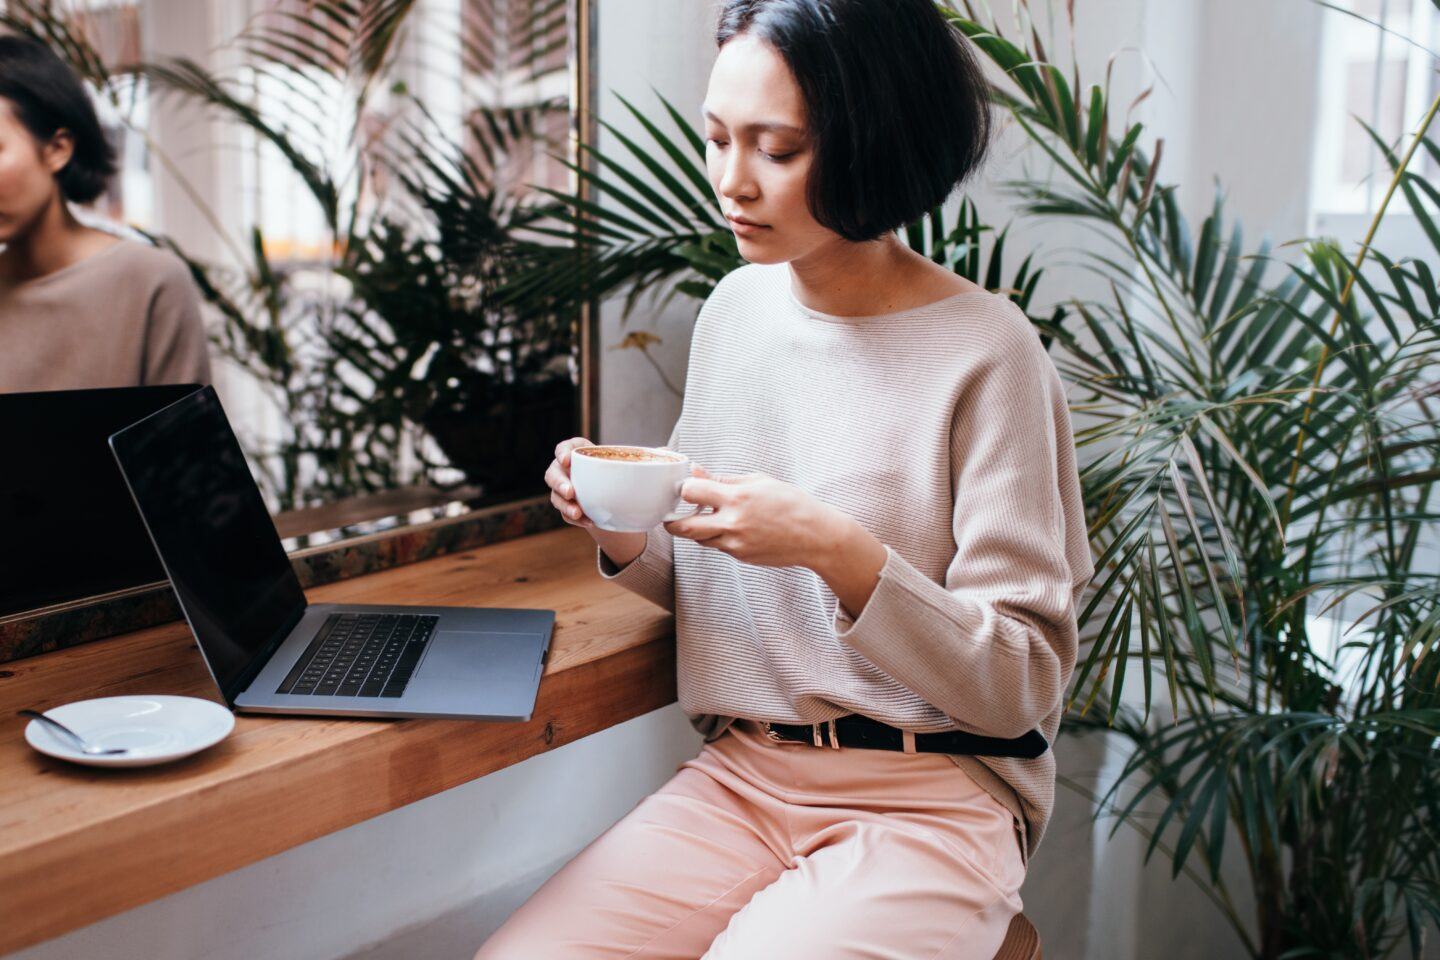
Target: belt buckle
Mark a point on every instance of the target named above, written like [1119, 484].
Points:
[770, 734]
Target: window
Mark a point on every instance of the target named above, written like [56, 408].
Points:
[1387, 78]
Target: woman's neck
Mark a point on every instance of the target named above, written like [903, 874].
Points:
[866, 279]
[54, 241]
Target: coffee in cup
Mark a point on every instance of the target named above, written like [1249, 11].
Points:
[630, 454]
[628, 489]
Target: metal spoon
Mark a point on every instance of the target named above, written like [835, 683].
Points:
[74, 737]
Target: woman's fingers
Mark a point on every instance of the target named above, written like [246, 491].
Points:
[699, 526]
[564, 446]
[570, 511]
[557, 478]
[706, 492]
[562, 452]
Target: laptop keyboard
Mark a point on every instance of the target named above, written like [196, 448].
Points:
[361, 655]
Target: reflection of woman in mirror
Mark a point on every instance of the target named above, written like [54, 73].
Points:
[79, 307]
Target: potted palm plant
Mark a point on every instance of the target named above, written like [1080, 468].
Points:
[1269, 451]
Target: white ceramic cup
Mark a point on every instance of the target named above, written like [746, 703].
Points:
[629, 496]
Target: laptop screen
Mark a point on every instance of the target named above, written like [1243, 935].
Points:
[67, 524]
[213, 534]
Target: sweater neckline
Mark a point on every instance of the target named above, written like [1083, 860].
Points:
[872, 317]
[68, 269]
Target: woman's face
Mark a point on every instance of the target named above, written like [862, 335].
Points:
[27, 173]
[758, 153]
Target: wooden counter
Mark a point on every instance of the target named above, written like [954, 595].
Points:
[79, 844]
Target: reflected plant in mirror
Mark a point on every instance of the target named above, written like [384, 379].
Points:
[397, 189]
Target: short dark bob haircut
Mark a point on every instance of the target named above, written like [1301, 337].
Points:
[47, 98]
[896, 103]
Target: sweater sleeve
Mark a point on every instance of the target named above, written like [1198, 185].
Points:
[651, 574]
[995, 645]
[175, 349]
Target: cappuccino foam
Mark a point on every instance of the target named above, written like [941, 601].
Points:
[627, 454]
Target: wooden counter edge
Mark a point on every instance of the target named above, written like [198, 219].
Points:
[60, 886]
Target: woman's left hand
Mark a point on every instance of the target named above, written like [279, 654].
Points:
[757, 519]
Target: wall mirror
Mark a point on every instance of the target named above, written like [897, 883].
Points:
[352, 184]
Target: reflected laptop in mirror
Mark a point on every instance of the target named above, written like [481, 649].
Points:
[268, 649]
[70, 530]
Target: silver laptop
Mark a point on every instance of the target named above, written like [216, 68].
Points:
[267, 648]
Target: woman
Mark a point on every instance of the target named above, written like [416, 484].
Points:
[894, 538]
[78, 307]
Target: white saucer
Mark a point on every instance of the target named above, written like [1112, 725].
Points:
[157, 729]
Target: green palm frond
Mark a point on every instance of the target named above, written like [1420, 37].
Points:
[57, 25]
[664, 231]
[190, 79]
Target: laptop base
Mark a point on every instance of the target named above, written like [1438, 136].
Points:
[478, 663]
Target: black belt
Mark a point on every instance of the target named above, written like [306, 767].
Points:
[857, 730]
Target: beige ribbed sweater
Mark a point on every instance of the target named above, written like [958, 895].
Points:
[945, 432]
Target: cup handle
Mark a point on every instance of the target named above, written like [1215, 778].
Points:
[695, 510]
[676, 513]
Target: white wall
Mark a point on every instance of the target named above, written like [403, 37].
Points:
[669, 46]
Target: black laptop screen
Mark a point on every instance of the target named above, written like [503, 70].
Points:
[212, 532]
[68, 529]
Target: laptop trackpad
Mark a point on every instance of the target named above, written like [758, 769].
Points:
[484, 659]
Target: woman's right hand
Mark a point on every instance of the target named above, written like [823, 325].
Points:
[562, 491]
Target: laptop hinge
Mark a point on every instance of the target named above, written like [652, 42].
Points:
[257, 663]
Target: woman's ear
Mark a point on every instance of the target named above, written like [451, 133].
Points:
[58, 151]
